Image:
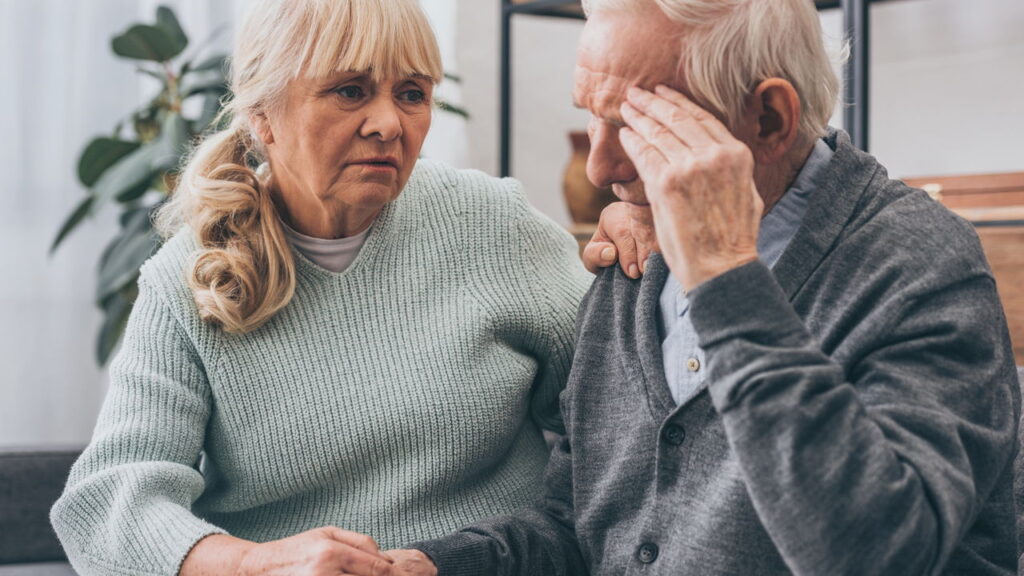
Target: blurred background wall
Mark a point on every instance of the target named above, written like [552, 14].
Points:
[947, 85]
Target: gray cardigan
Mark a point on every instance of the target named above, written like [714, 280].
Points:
[860, 416]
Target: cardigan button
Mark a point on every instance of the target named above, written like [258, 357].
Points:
[673, 434]
[647, 553]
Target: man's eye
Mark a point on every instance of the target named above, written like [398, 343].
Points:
[350, 92]
[413, 96]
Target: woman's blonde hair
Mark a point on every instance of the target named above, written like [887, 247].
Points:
[244, 272]
[731, 46]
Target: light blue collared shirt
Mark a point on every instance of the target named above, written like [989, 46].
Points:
[683, 359]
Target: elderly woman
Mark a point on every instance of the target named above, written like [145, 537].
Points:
[337, 338]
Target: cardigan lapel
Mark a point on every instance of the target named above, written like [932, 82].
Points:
[648, 342]
[841, 187]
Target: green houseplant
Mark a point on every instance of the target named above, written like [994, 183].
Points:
[133, 168]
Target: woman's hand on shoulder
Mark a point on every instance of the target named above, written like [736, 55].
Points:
[616, 241]
[320, 552]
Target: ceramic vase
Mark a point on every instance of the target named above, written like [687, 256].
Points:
[585, 201]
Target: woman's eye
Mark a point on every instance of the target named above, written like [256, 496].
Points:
[413, 96]
[350, 92]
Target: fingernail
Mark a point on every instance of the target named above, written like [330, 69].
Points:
[633, 271]
[643, 266]
[608, 254]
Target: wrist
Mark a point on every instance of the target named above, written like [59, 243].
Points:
[710, 268]
[244, 560]
[216, 554]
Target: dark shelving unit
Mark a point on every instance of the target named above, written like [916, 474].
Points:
[856, 76]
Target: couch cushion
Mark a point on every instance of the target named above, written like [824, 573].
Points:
[47, 569]
[30, 482]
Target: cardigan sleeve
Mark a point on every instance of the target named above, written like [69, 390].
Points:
[888, 463]
[550, 282]
[126, 507]
[539, 539]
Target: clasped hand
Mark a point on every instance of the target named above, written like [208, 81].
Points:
[331, 551]
[698, 179]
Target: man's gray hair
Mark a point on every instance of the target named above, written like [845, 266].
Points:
[728, 47]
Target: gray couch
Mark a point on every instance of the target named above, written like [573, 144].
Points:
[30, 482]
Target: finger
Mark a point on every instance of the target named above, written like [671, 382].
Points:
[643, 254]
[599, 252]
[648, 161]
[616, 226]
[348, 559]
[598, 255]
[643, 233]
[356, 540]
[625, 246]
[713, 125]
[655, 133]
[679, 121]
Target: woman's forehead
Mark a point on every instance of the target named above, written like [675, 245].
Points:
[375, 76]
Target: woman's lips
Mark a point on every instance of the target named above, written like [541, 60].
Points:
[378, 163]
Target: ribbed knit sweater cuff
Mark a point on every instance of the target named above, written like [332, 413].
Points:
[170, 539]
[460, 554]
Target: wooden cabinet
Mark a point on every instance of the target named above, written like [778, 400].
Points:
[994, 203]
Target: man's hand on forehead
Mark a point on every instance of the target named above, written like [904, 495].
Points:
[699, 181]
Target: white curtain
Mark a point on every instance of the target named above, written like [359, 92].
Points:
[62, 86]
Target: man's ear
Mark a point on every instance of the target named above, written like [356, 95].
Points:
[773, 117]
[261, 126]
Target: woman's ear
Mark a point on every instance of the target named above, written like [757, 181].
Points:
[773, 114]
[261, 126]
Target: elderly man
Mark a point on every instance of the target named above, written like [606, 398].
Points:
[814, 374]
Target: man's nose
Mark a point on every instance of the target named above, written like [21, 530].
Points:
[383, 120]
[608, 163]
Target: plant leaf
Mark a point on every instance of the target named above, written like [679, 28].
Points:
[168, 22]
[144, 42]
[116, 311]
[215, 62]
[453, 77]
[127, 252]
[134, 170]
[72, 222]
[133, 194]
[203, 81]
[210, 109]
[101, 154]
[172, 144]
[453, 108]
[160, 76]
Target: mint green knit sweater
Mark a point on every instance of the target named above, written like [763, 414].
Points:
[402, 398]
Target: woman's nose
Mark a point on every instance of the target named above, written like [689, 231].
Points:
[608, 163]
[383, 120]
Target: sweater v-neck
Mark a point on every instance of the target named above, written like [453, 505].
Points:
[376, 241]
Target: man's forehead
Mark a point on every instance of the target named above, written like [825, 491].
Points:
[602, 91]
[614, 55]
[599, 92]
